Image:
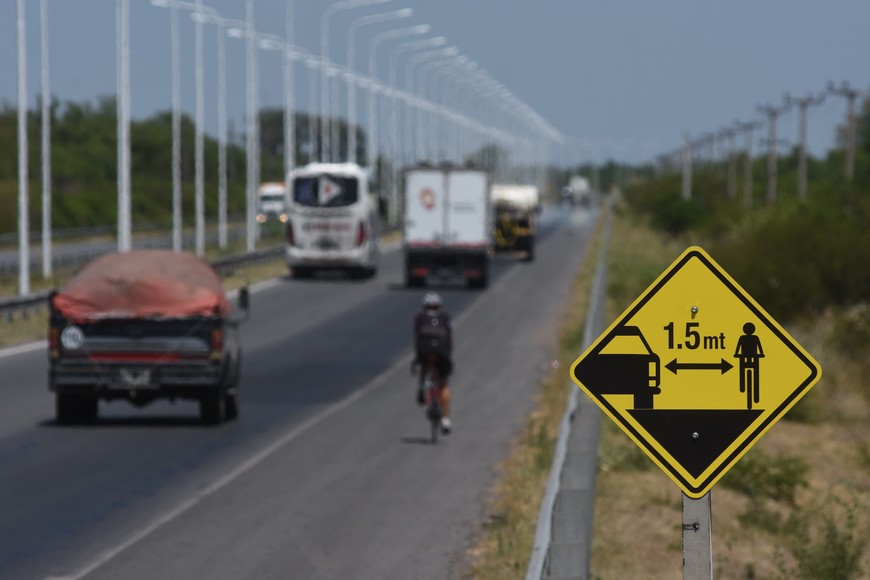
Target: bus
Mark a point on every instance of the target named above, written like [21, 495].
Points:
[332, 221]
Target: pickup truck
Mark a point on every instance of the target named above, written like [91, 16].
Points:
[141, 326]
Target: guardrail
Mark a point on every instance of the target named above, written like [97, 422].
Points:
[563, 536]
[24, 306]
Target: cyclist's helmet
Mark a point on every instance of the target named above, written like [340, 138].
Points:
[431, 300]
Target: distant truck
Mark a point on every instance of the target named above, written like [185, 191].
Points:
[141, 326]
[271, 199]
[577, 192]
[516, 218]
[447, 225]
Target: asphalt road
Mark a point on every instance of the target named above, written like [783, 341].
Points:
[328, 472]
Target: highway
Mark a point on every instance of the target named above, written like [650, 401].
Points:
[327, 474]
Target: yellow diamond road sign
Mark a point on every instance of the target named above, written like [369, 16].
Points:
[695, 371]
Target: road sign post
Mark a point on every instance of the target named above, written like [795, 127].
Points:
[697, 538]
[695, 372]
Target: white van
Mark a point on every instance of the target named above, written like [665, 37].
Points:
[332, 220]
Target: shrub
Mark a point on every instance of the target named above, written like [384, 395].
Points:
[776, 477]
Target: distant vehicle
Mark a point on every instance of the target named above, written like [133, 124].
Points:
[141, 326]
[271, 197]
[447, 225]
[577, 192]
[516, 218]
[623, 364]
[332, 221]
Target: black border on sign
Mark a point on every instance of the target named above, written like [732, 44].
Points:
[749, 440]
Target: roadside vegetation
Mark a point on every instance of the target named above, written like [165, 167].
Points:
[795, 506]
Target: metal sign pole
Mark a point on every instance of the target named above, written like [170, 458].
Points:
[697, 538]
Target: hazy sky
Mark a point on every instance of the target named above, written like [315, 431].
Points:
[622, 79]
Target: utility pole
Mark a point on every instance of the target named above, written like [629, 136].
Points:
[731, 188]
[850, 94]
[772, 113]
[802, 104]
[687, 167]
[748, 131]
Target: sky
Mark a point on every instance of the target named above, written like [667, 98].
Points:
[619, 79]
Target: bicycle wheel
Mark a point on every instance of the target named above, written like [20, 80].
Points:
[436, 427]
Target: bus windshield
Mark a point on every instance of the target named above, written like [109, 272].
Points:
[325, 191]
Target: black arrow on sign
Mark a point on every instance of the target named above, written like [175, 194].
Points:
[675, 366]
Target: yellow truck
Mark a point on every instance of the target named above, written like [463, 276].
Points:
[516, 215]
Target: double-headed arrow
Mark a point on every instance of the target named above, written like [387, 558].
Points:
[724, 366]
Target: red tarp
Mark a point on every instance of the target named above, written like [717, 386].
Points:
[143, 284]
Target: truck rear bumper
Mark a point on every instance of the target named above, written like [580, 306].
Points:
[119, 380]
[361, 256]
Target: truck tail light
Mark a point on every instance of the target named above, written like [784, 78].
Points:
[288, 232]
[53, 342]
[217, 343]
[361, 234]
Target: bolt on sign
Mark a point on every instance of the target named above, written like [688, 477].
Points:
[695, 372]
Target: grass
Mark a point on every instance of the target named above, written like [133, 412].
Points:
[505, 542]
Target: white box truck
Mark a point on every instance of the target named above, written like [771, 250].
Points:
[447, 225]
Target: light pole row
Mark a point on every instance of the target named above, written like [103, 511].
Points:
[422, 97]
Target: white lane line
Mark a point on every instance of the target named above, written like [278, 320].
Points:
[21, 349]
[262, 455]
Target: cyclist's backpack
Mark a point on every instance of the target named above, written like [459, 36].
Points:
[433, 332]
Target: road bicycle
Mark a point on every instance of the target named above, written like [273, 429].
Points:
[430, 379]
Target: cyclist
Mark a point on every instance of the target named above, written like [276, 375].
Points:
[433, 341]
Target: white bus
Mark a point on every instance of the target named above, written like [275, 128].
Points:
[332, 221]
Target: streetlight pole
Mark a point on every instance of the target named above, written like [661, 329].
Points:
[440, 53]
[175, 43]
[123, 104]
[850, 94]
[351, 83]
[46, 141]
[394, 146]
[372, 148]
[23, 194]
[252, 129]
[289, 114]
[324, 56]
[199, 147]
[199, 14]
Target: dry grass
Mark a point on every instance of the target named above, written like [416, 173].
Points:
[505, 541]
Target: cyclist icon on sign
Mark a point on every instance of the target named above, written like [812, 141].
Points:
[749, 351]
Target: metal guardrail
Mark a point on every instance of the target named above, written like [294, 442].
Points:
[562, 557]
[24, 306]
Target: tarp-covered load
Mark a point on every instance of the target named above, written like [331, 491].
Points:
[143, 284]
